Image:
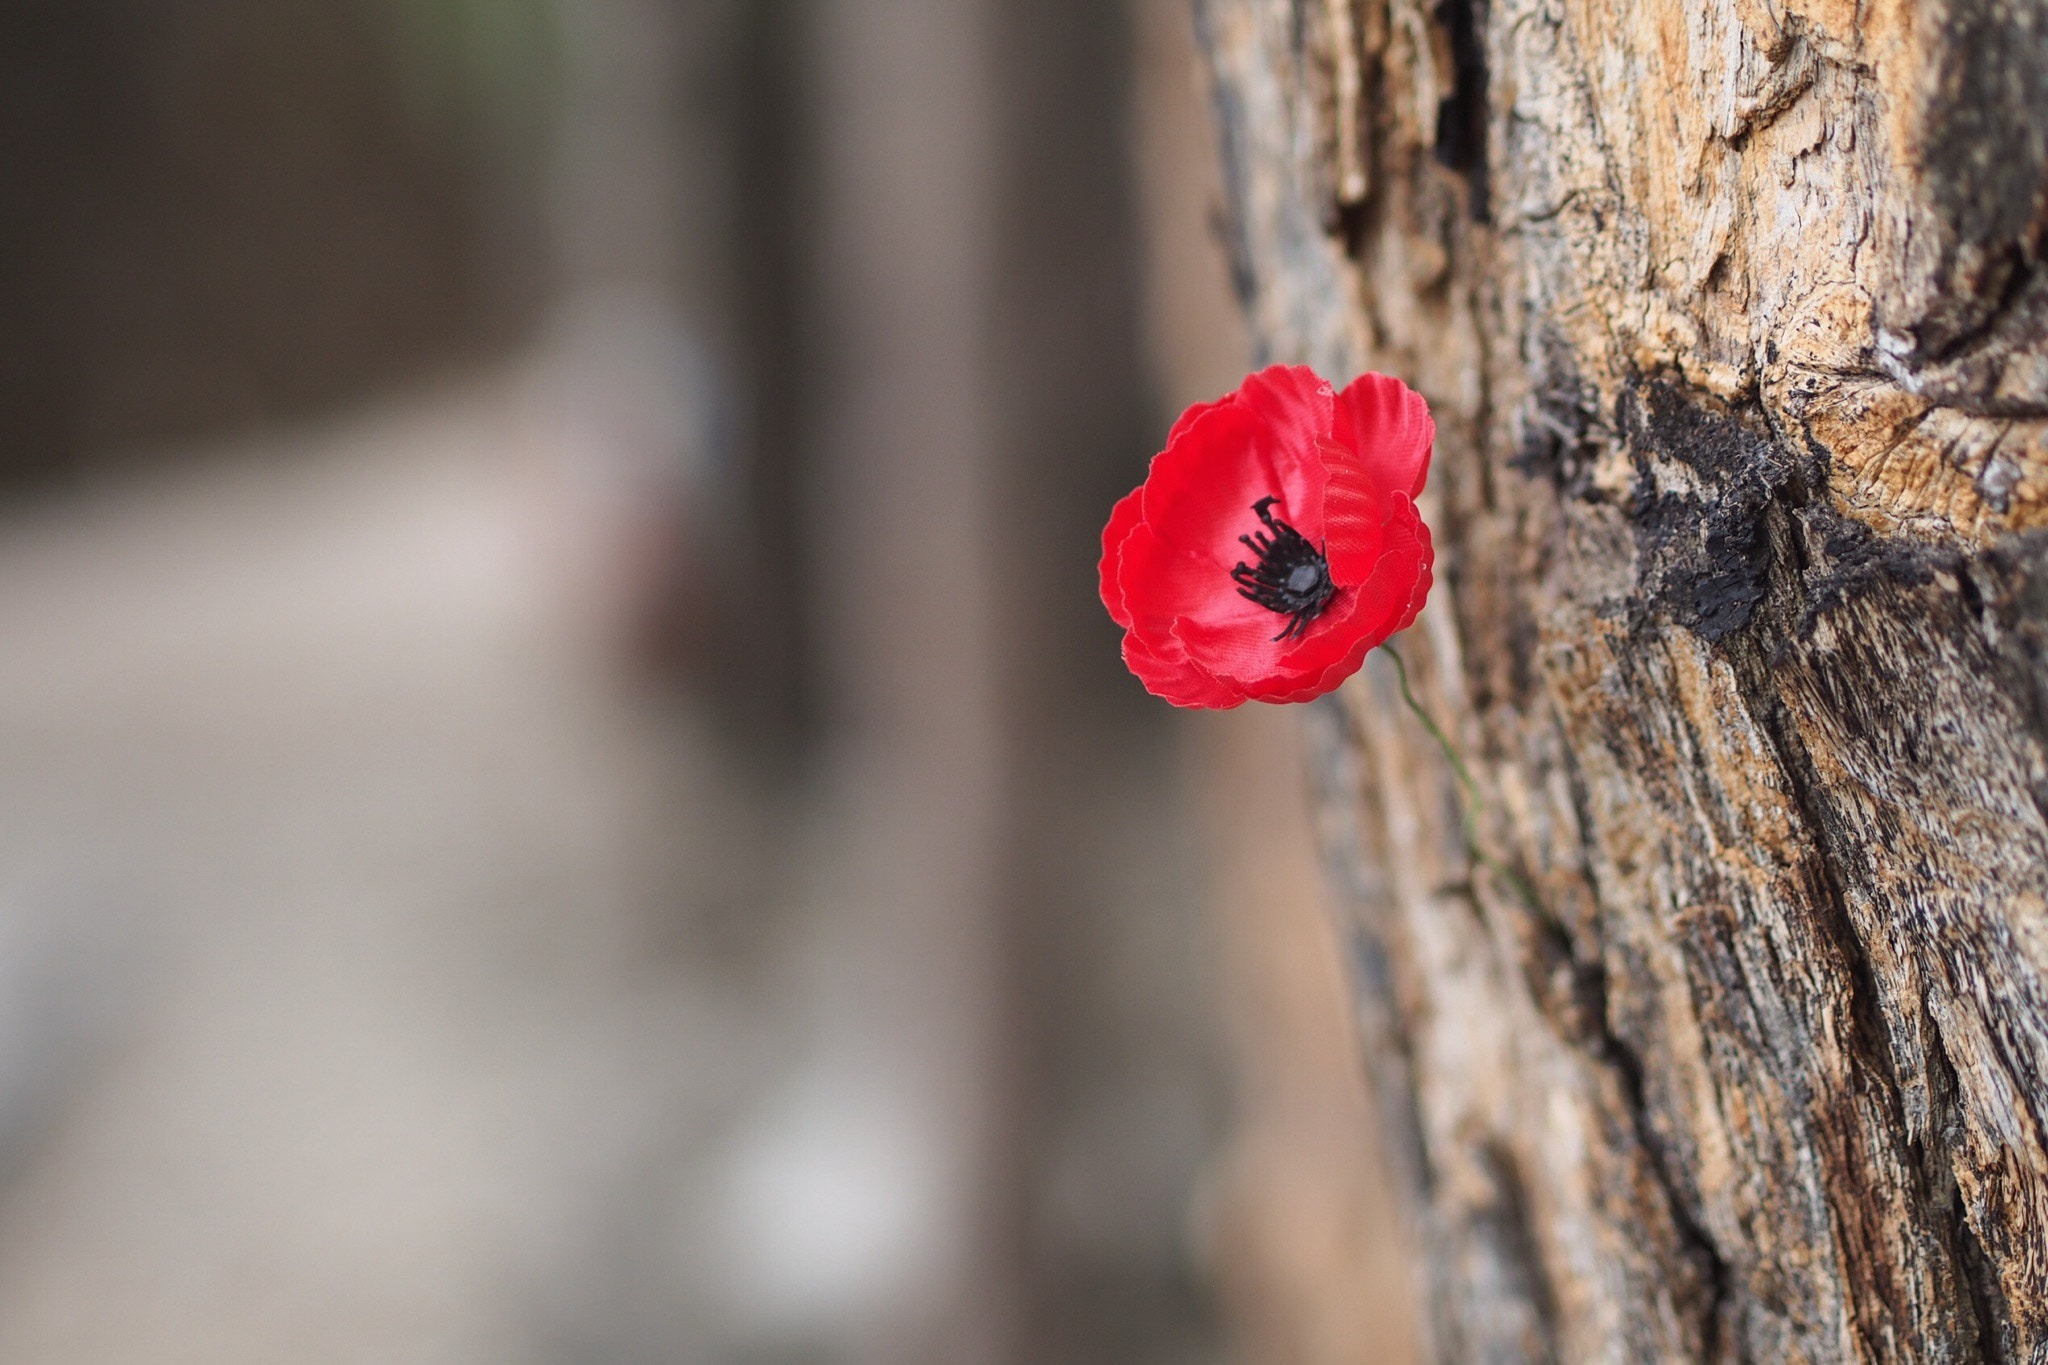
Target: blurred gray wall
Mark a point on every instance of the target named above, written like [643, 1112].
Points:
[222, 213]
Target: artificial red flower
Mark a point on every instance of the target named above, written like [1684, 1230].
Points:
[1274, 541]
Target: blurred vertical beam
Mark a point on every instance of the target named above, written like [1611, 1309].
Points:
[1071, 392]
[985, 401]
[907, 621]
[774, 679]
[1089, 757]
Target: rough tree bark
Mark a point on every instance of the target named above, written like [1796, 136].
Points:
[1733, 1042]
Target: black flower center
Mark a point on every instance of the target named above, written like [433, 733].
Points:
[1292, 576]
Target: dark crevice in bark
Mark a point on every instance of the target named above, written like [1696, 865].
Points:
[1695, 1242]
[1570, 990]
[1754, 661]
[1995, 1338]
[1607, 1045]
[1478, 247]
[1970, 381]
[1976, 1279]
[1803, 587]
[1506, 1224]
[1876, 1075]
[1298, 29]
[1350, 223]
[1461, 117]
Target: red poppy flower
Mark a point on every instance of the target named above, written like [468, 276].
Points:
[1274, 541]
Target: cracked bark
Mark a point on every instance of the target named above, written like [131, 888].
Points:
[1734, 319]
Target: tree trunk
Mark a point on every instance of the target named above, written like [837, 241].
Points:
[1731, 1040]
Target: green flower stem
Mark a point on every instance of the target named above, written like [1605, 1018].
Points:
[1468, 795]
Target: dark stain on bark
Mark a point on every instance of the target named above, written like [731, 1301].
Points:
[1844, 560]
[1704, 480]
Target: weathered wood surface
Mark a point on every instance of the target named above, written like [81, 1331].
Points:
[1733, 316]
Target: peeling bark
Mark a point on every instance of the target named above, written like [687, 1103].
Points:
[1734, 319]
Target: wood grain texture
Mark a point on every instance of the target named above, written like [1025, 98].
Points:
[1734, 319]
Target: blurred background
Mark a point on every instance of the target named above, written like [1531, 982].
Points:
[565, 795]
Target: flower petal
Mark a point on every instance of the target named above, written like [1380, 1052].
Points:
[1195, 410]
[1424, 578]
[1298, 663]
[1163, 582]
[1237, 654]
[1354, 513]
[1123, 519]
[1390, 599]
[1201, 488]
[1387, 426]
[1297, 409]
[1332, 677]
[1361, 619]
[1342, 469]
[1168, 673]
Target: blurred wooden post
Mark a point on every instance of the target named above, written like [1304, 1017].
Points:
[1734, 1046]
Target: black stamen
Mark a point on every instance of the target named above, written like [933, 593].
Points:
[1292, 576]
